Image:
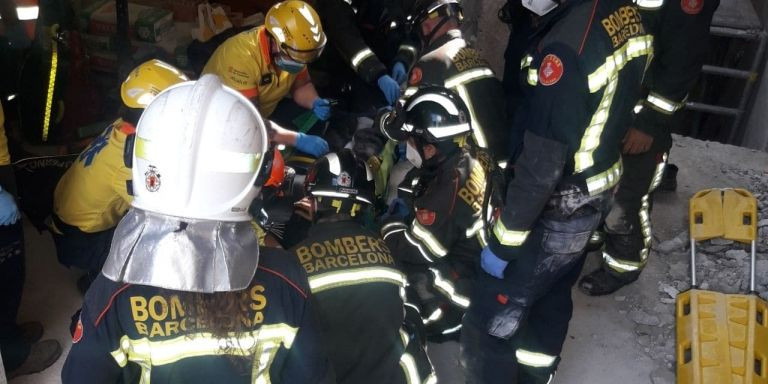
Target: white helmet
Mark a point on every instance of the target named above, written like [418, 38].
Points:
[198, 151]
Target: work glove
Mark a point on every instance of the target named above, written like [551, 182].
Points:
[492, 264]
[398, 210]
[399, 73]
[322, 109]
[9, 212]
[313, 145]
[390, 88]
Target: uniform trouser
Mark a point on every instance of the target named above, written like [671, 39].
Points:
[84, 250]
[515, 327]
[12, 271]
[627, 227]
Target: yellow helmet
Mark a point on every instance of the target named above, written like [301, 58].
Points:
[296, 28]
[147, 80]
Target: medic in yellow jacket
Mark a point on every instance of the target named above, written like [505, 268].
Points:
[267, 63]
[94, 193]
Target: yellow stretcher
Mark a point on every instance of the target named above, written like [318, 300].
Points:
[722, 339]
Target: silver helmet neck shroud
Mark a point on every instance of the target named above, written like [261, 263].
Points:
[182, 254]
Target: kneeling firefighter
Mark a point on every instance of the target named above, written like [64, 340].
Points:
[435, 227]
[186, 295]
[356, 282]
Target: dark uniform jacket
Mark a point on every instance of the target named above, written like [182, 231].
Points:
[142, 333]
[370, 35]
[357, 286]
[440, 243]
[681, 42]
[450, 62]
[582, 77]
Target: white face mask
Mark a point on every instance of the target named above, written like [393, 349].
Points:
[413, 156]
[540, 7]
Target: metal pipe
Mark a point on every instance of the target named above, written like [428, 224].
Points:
[752, 269]
[727, 72]
[714, 109]
[747, 34]
[693, 263]
[747, 92]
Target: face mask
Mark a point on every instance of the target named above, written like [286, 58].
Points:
[288, 65]
[413, 156]
[540, 7]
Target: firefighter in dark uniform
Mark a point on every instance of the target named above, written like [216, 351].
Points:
[372, 39]
[435, 228]
[583, 73]
[356, 282]
[681, 41]
[448, 60]
[186, 295]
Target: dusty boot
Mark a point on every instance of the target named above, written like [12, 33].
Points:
[31, 332]
[41, 356]
[600, 283]
[596, 241]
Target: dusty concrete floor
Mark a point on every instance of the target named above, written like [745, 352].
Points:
[606, 344]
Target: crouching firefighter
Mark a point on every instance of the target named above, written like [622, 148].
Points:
[356, 281]
[435, 227]
[581, 75]
[186, 295]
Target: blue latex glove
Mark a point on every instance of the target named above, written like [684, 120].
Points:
[9, 212]
[322, 109]
[390, 88]
[492, 264]
[399, 73]
[313, 145]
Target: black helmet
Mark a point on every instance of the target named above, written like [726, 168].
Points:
[432, 114]
[340, 177]
[424, 9]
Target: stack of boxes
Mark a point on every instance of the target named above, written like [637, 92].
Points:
[157, 28]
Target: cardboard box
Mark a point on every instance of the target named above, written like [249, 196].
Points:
[153, 23]
[98, 42]
[145, 23]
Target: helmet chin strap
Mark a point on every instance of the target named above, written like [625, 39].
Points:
[433, 32]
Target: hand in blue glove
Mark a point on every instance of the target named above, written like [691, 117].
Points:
[390, 88]
[9, 212]
[492, 264]
[322, 109]
[313, 145]
[399, 73]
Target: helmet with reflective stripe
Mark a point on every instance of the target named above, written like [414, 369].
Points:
[431, 9]
[434, 115]
[147, 80]
[296, 28]
[340, 176]
[198, 151]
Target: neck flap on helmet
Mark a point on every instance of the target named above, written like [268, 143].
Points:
[181, 254]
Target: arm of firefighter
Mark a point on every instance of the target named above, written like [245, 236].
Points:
[431, 232]
[554, 120]
[307, 360]
[95, 356]
[7, 177]
[674, 71]
[408, 51]
[339, 23]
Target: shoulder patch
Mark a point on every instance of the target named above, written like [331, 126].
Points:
[425, 216]
[551, 70]
[692, 7]
[78, 334]
[416, 75]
